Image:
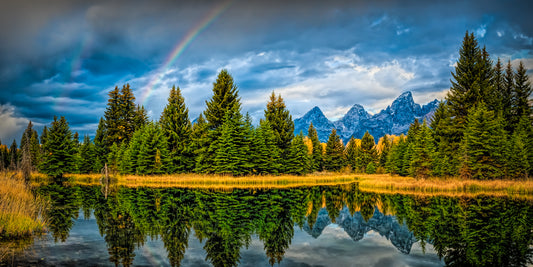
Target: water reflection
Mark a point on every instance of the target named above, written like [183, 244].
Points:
[480, 231]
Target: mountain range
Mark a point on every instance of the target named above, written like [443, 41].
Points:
[356, 227]
[395, 119]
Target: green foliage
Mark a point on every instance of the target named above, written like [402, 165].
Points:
[385, 150]
[121, 116]
[200, 143]
[233, 146]
[423, 151]
[471, 80]
[177, 128]
[279, 118]
[87, 157]
[264, 150]
[225, 98]
[483, 145]
[58, 149]
[153, 156]
[522, 93]
[368, 151]
[353, 154]
[398, 158]
[371, 168]
[30, 142]
[317, 161]
[334, 156]
[447, 139]
[298, 158]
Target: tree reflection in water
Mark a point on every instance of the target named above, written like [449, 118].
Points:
[478, 231]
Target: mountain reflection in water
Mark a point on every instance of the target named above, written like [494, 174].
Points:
[175, 226]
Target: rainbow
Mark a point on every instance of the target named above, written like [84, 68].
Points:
[181, 46]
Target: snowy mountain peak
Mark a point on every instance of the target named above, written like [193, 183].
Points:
[395, 119]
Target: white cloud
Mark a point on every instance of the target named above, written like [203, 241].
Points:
[334, 80]
[12, 125]
[481, 31]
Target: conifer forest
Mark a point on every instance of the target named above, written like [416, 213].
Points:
[481, 130]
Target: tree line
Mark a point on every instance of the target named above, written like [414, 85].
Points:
[482, 130]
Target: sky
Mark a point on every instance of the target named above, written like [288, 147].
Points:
[62, 57]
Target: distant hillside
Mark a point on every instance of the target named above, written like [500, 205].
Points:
[395, 119]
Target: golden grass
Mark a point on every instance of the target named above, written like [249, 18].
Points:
[378, 183]
[451, 186]
[210, 181]
[21, 213]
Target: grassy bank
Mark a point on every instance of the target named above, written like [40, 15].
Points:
[379, 183]
[21, 213]
[217, 181]
[452, 186]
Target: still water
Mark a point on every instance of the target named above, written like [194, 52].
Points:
[305, 226]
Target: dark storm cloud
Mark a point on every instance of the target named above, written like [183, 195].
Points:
[325, 53]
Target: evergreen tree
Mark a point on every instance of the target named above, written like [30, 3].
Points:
[386, 144]
[128, 113]
[519, 151]
[370, 168]
[517, 156]
[87, 156]
[485, 85]
[265, 152]
[141, 117]
[13, 156]
[447, 142]
[44, 135]
[225, 97]
[317, 162]
[298, 158]
[112, 120]
[177, 127]
[31, 140]
[467, 80]
[522, 93]
[368, 150]
[58, 149]
[280, 120]
[113, 158]
[120, 116]
[130, 157]
[334, 157]
[233, 146]
[423, 151]
[153, 156]
[507, 98]
[498, 92]
[352, 154]
[398, 157]
[199, 144]
[100, 147]
[483, 145]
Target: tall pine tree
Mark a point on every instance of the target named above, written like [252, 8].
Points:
[58, 149]
[317, 162]
[277, 114]
[483, 145]
[177, 127]
[334, 157]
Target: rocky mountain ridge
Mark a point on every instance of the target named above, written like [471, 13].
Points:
[395, 119]
[356, 227]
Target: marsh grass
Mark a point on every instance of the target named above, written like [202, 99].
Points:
[451, 186]
[21, 213]
[209, 181]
